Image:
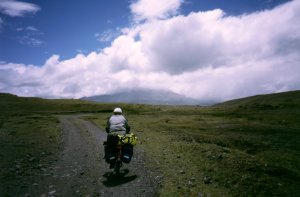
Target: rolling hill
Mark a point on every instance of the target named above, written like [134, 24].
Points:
[282, 99]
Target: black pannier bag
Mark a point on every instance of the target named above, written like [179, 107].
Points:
[109, 148]
[109, 154]
[127, 153]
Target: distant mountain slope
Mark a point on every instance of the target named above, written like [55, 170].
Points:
[145, 97]
[283, 99]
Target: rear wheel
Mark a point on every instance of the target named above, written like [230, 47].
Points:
[118, 165]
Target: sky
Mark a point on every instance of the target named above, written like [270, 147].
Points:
[209, 50]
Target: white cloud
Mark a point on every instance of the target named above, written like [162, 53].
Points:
[17, 8]
[153, 9]
[205, 55]
[212, 39]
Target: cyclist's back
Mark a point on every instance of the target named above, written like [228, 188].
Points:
[117, 123]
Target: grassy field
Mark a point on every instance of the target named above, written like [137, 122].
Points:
[30, 138]
[246, 147]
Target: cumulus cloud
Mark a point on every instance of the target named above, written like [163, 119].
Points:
[212, 39]
[154, 9]
[205, 55]
[17, 8]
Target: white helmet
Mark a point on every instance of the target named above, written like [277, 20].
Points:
[118, 110]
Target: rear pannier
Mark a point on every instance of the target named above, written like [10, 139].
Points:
[127, 153]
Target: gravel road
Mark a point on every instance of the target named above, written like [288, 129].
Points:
[81, 170]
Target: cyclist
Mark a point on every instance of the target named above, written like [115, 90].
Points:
[116, 124]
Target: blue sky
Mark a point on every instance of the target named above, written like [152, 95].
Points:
[204, 49]
[62, 27]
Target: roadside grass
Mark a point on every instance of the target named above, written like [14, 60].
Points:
[26, 143]
[220, 150]
[224, 156]
[247, 147]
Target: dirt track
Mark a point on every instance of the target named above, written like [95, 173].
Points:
[81, 170]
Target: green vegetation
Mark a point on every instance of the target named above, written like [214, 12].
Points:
[30, 137]
[246, 147]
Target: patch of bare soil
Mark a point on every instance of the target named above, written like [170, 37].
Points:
[81, 170]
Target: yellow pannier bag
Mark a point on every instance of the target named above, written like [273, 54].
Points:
[129, 138]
